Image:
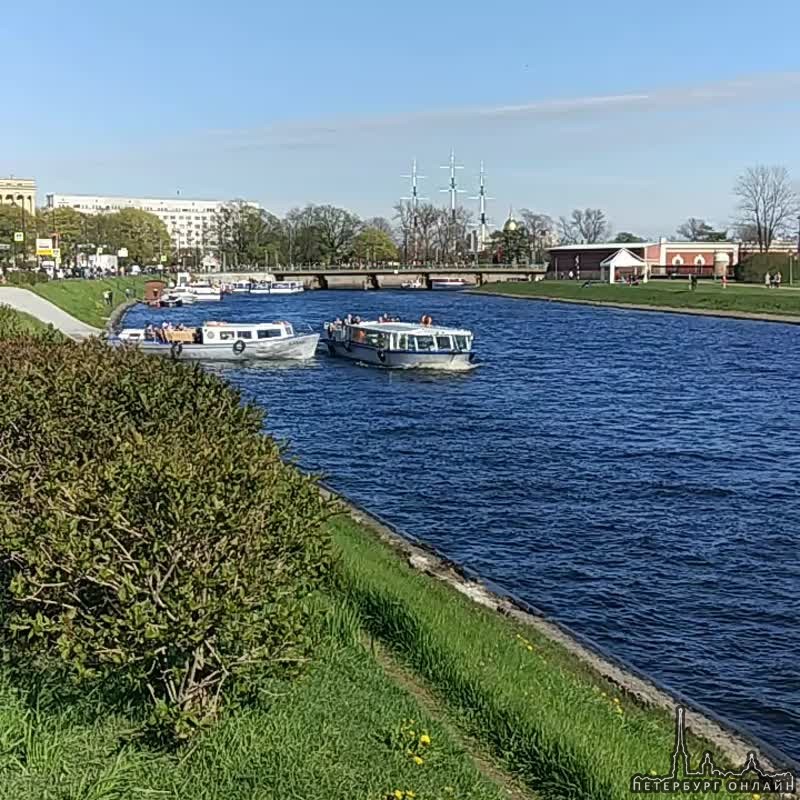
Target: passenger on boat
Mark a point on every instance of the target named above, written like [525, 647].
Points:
[149, 332]
[426, 320]
[348, 320]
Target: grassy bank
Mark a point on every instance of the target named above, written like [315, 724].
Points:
[335, 734]
[409, 691]
[708, 296]
[17, 323]
[552, 722]
[84, 298]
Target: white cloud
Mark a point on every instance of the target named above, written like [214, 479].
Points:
[312, 134]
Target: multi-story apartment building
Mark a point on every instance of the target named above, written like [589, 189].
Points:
[190, 222]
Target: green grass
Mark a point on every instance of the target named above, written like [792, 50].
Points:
[555, 725]
[84, 298]
[328, 735]
[668, 294]
[18, 323]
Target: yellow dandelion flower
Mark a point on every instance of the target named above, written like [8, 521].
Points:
[409, 793]
[418, 760]
[756, 797]
[530, 647]
[616, 699]
[398, 793]
[425, 739]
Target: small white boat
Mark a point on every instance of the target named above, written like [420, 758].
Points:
[277, 287]
[448, 283]
[201, 290]
[415, 284]
[184, 295]
[402, 345]
[223, 341]
[286, 287]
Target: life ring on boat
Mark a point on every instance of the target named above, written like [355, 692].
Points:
[382, 355]
[238, 347]
[176, 349]
[210, 334]
[426, 320]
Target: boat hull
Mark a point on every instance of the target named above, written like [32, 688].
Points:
[296, 348]
[448, 287]
[400, 359]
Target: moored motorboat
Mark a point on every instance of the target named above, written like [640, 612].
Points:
[403, 345]
[223, 341]
[415, 284]
[241, 287]
[448, 283]
[277, 287]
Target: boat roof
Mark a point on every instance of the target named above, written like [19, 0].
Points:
[411, 327]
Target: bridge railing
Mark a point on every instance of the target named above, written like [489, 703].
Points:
[318, 268]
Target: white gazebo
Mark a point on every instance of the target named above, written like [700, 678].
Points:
[623, 259]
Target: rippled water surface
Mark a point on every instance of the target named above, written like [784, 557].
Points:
[635, 475]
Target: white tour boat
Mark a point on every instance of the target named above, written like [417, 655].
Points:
[241, 287]
[223, 341]
[448, 283]
[401, 345]
[286, 287]
[201, 290]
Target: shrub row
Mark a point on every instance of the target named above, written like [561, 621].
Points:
[25, 277]
[149, 533]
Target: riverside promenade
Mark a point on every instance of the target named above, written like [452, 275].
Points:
[45, 311]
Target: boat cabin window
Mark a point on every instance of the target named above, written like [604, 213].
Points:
[424, 343]
[376, 339]
[244, 334]
[402, 341]
[270, 333]
[443, 343]
[462, 342]
[226, 335]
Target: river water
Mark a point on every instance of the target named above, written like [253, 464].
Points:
[635, 475]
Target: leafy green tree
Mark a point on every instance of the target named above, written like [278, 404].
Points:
[336, 229]
[13, 219]
[68, 224]
[143, 234]
[374, 246]
[511, 245]
[627, 238]
[246, 236]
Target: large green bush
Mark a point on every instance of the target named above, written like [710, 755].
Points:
[754, 267]
[25, 277]
[14, 324]
[149, 532]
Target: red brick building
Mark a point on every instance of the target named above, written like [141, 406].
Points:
[610, 261]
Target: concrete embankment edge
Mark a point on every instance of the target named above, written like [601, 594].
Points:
[704, 723]
[699, 312]
[114, 322]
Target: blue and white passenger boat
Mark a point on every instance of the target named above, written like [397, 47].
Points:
[400, 345]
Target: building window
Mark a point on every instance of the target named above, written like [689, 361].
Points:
[677, 261]
[699, 261]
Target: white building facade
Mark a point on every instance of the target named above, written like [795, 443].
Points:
[19, 192]
[190, 223]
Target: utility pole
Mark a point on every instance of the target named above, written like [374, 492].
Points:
[453, 191]
[414, 201]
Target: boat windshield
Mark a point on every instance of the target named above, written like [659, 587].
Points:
[270, 333]
[462, 342]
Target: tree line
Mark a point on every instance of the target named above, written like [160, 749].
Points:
[241, 235]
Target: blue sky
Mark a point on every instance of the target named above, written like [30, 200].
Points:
[648, 110]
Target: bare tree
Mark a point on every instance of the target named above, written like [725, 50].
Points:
[585, 227]
[427, 220]
[767, 202]
[540, 228]
[379, 224]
